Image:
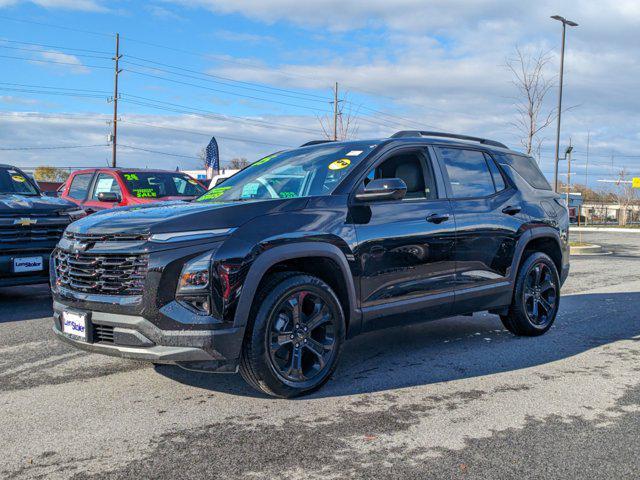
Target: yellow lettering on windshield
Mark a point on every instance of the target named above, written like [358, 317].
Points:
[213, 193]
[145, 192]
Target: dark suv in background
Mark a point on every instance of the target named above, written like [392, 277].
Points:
[30, 226]
[271, 270]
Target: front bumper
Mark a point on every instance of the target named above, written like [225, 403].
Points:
[134, 337]
[8, 278]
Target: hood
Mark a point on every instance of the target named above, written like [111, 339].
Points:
[169, 217]
[12, 204]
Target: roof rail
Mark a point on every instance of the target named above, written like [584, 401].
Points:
[316, 142]
[422, 133]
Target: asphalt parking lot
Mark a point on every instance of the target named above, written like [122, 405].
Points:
[455, 398]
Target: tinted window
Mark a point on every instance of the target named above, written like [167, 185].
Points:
[413, 169]
[106, 183]
[498, 180]
[468, 172]
[528, 169]
[14, 182]
[80, 186]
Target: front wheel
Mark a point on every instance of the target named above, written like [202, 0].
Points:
[294, 337]
[536, 297]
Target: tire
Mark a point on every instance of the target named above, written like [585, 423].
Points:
[535, 305]
[286, 358]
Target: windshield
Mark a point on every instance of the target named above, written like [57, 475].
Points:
[161, 184]
[14, 182]
[302, 172]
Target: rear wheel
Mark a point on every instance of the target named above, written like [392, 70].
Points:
[295, 336]
[536, 297]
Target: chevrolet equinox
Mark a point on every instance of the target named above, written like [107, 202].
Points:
[270, 271]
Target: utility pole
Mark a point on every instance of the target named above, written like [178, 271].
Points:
[335, 113]
[114, 135]
[569, 150]
[565, 22]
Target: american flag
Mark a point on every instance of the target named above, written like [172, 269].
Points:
[212, 158]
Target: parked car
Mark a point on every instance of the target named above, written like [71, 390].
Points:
[30, 226]
[103, 188]
[271, 271]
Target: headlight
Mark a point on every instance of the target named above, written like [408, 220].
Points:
[195, 274]
[76, 214]
[193, 284]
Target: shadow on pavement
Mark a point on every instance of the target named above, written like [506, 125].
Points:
[458, 348]
[25, 303]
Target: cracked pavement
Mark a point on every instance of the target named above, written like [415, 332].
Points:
[454, 398]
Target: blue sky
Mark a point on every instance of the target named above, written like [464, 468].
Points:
[405, 64]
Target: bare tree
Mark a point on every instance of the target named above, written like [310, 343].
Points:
[238, 163]
[528, 70]
[202, 155]
[627, 195]
[347, 120]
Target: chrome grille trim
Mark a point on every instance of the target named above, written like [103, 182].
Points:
[101, 274]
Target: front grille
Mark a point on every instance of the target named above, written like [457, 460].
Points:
[102, 333]
[106, 237]
[101, 274]
[32, 233]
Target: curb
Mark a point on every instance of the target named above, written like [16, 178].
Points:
[604, 229]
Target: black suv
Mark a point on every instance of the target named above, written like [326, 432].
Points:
[31, 225]
[273, 269]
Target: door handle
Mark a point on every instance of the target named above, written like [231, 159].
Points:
[438, 217]
[511, 210]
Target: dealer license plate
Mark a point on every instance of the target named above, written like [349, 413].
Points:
[27, 264]
[75, 324]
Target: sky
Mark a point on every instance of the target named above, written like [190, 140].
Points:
[258, 75]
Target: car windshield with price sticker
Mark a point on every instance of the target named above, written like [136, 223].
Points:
[303, 172]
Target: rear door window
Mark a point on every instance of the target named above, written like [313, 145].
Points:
[468, 172]
[498, 179]
[80, 186]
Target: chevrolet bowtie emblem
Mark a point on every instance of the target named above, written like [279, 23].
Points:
[25, 222]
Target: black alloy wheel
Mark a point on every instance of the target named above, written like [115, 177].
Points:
[536, 297]
[540, 294]
[303, 337]
[294, 336]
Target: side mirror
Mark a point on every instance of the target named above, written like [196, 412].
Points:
[110, 197]
[383, 189]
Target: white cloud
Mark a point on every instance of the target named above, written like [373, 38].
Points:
[66, 61]
[11, 100]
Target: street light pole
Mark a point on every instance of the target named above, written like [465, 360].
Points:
[565, 22]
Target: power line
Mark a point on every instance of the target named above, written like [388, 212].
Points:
[53, 87]
[87, 55]
[54, 46]
[228, 79]
[158, 152]
[49, 92]
[205, 134]
[78, 65]
[208, 114]
[214, 57]
[224, 91]
[60, 147]
[52, 25]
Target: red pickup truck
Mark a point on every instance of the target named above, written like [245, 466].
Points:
[100, 188]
